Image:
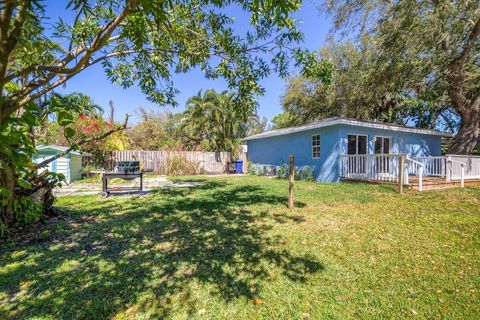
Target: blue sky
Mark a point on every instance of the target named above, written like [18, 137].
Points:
[94, 82]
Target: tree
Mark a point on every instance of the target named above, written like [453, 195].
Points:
[285, 120]
[59, 116]
[430, 47]
[214, 121]
[155, 131]
[257, 126]
[139, 42]
[357, 90]
[88, 122]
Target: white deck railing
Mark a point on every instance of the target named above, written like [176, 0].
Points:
[385, 167]
[416, 168]
[370, 167]
[471, 167]
[432, 166]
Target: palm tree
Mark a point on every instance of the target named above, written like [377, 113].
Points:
[218, 120]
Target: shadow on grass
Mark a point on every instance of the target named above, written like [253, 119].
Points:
[156, 248]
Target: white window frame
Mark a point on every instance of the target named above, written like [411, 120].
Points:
[390, 139]
[356, 142]
[317, 146]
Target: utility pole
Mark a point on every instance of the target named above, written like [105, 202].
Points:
[112, 112]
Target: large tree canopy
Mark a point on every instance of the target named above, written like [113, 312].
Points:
[414, 62]
[357, 90]
[140, 42]
[155, 130]
[137, 42]
[428, 49]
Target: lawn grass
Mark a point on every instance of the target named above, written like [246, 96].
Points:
[230, 249]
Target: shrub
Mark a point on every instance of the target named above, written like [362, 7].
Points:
[87, 170]
[255, 169]
[26, 211]
[283, 171]
[301, 173]
[178, 166]
[306, 173]
[3, 229]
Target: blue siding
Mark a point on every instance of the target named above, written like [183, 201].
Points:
[412, 144]
[333, 142]
[275, 151]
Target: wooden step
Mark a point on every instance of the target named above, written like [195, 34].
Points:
[441, 183]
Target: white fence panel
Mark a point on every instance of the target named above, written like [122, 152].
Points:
[471, 163]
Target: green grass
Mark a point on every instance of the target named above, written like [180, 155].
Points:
[230, 249]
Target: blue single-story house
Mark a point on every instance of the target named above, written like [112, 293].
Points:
[320, 144]
[69, 165]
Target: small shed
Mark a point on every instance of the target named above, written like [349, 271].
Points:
[69, 165]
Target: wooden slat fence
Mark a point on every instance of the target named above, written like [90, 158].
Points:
[155, 161]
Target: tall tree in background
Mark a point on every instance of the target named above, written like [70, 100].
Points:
[137, 42]
[210, 122]
[430, 47]
[155, 131]
[357, 90]
[213, 121]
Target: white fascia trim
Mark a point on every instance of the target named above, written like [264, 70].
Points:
[285, 131]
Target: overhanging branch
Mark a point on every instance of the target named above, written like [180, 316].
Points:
[100, 137]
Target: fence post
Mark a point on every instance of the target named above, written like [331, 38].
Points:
[401, 161]
[290, 181]
[462, 176]
[448, 166]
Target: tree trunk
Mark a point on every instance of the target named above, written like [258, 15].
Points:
[469, 110]
[467, 136]
[7, 183]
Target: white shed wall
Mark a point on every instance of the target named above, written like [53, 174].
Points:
[75, 168]
[63, 165]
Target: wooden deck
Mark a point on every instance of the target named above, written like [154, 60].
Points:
[437, 183]
[429, 183]
[431, 171]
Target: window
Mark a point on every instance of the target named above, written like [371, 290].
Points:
[382, 145]
[357, 144]
[316, 146]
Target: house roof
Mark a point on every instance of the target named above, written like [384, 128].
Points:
[62, 148]
[346, 121]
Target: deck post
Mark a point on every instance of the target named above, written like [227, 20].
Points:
[290, 181]
[405, 173]
[448, 166]
[420, 178]
[401, 162]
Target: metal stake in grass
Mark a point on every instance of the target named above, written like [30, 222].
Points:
[290, 181]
